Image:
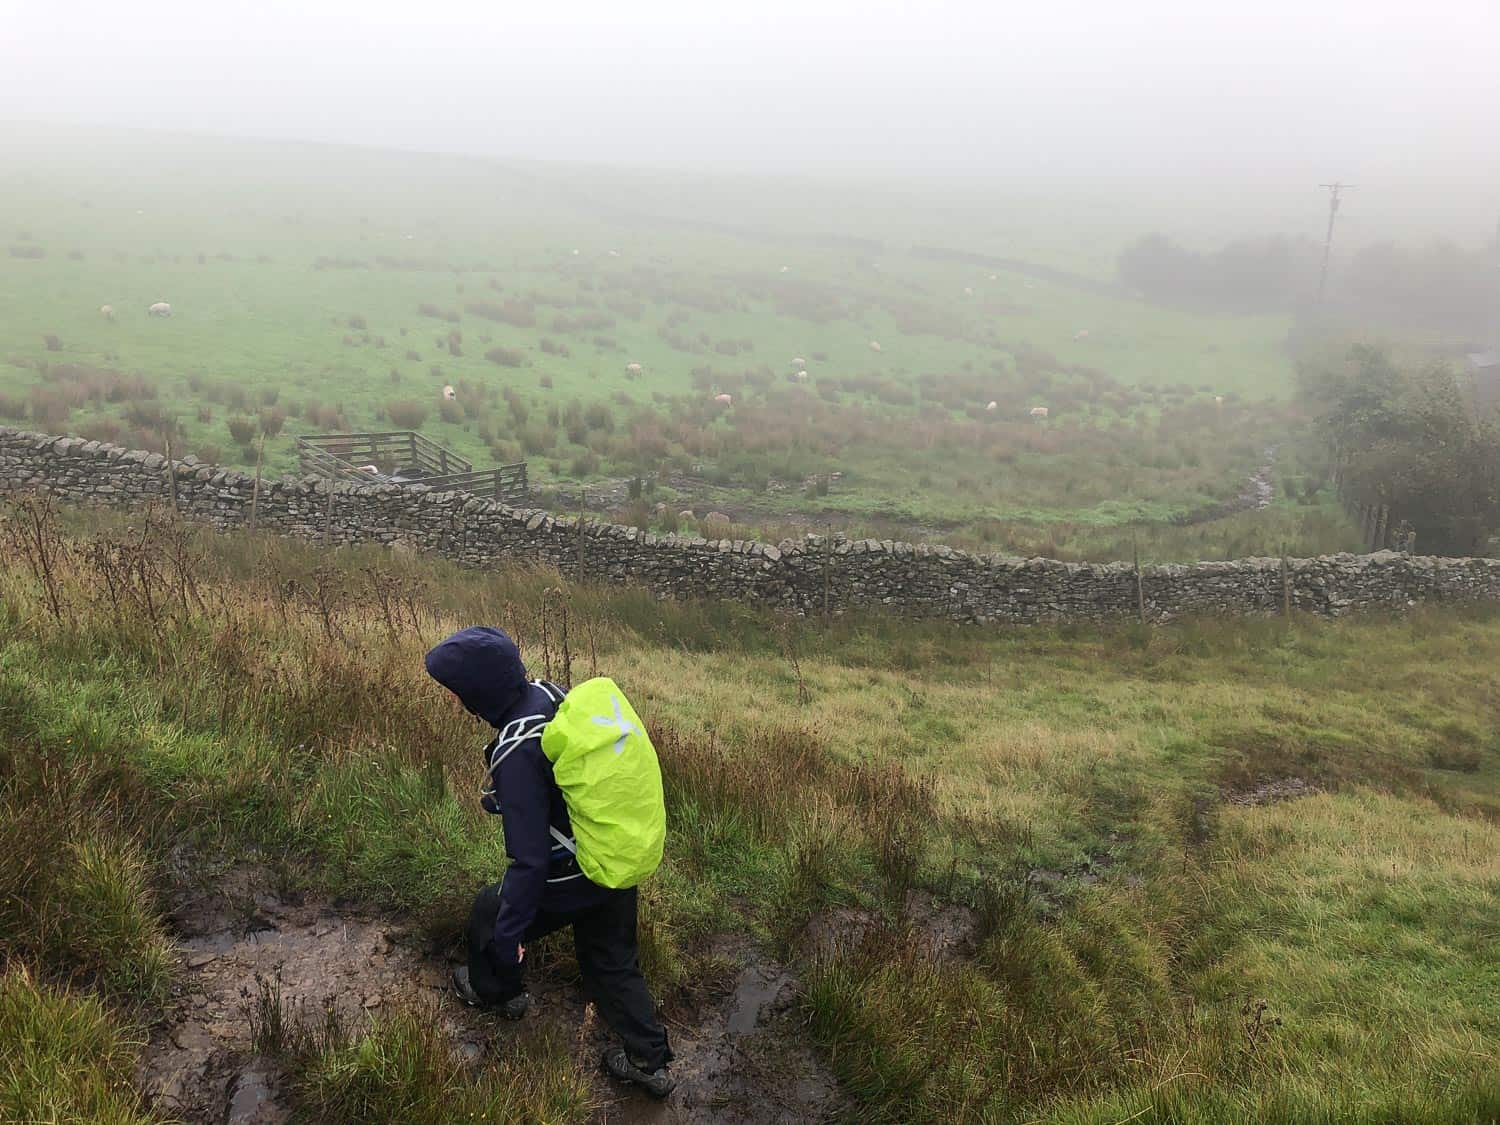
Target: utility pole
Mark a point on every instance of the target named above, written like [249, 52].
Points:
[1335, 190]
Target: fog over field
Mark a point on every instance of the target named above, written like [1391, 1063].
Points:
[1225, 115]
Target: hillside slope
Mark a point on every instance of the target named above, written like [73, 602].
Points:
[1213, 871]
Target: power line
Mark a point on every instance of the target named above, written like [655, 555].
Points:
[1335, 191]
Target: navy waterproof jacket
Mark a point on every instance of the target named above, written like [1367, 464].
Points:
[482, 666]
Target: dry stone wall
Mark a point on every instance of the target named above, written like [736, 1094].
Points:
[803, 576]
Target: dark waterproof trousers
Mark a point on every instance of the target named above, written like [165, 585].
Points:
[604, 938]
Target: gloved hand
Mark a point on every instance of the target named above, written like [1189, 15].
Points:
[514, 1000]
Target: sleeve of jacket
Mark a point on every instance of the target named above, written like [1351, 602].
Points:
[526, 797]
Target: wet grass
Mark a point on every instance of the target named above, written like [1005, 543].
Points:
[1326, 958]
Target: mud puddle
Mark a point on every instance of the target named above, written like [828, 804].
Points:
[741, 1059]
[741, 1054]
[1271, 792]
[200, 1064]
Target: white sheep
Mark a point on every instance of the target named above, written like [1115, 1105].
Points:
[161, 308]
[968, 291]
[1218, 400]
[633, 370]
[1081, 334]
[371, 469]
[449, 393]
[107, 312]
[798, 361]
[875, 346]
[614, 253]
[1039, 412]
[724, 400]
[802, 376]
[992, 406]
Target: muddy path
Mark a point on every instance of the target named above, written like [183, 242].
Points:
[741, 1054]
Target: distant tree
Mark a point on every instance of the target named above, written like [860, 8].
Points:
[1412, 440]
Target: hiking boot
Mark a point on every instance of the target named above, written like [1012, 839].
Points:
[512, 1009]
[658, 1083]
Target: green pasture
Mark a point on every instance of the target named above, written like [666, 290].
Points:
[296, 274]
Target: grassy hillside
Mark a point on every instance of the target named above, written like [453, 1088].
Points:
[1215, 871]
[319, 288]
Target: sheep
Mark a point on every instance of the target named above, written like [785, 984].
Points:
[992, 406]
[371, 469]
[161, 308]
[786, 269]
[614, 253]
[107, 312]
[449, 393]
[802, 376]
[724, 400]
[798, 361]
[632, 370]
[875, 346]
[1038, 412]
[1081, 334]
[994, 277]
[968, 291]
[1218, 400]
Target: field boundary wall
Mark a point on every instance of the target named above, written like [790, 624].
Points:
[807, 576]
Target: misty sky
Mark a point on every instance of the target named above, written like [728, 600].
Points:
[1346, 88]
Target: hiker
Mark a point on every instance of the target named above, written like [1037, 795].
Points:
[540, 769]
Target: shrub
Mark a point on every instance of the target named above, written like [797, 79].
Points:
[52, 342]
[102, 429]
[271, 422]
[11, 407]
[448, 411]
[598, 417]
[205, 415]
[406, 414]
[241, 429]
[506, 357]
[546, 381]
[33, 252]
[357, 323]
[209, 453]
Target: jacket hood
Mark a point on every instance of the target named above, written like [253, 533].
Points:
[482, 666]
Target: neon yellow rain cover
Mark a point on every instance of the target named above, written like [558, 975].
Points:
[606, 767]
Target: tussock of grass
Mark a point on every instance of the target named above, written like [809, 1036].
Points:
[64, 1057]
[403, 1070]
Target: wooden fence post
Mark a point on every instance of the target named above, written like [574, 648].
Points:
[328, 519]
[260, 456]
[1286, 584]
[1140, 588]
[172, 479]
[582, 502]
[1380, 526]
[827, 567]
